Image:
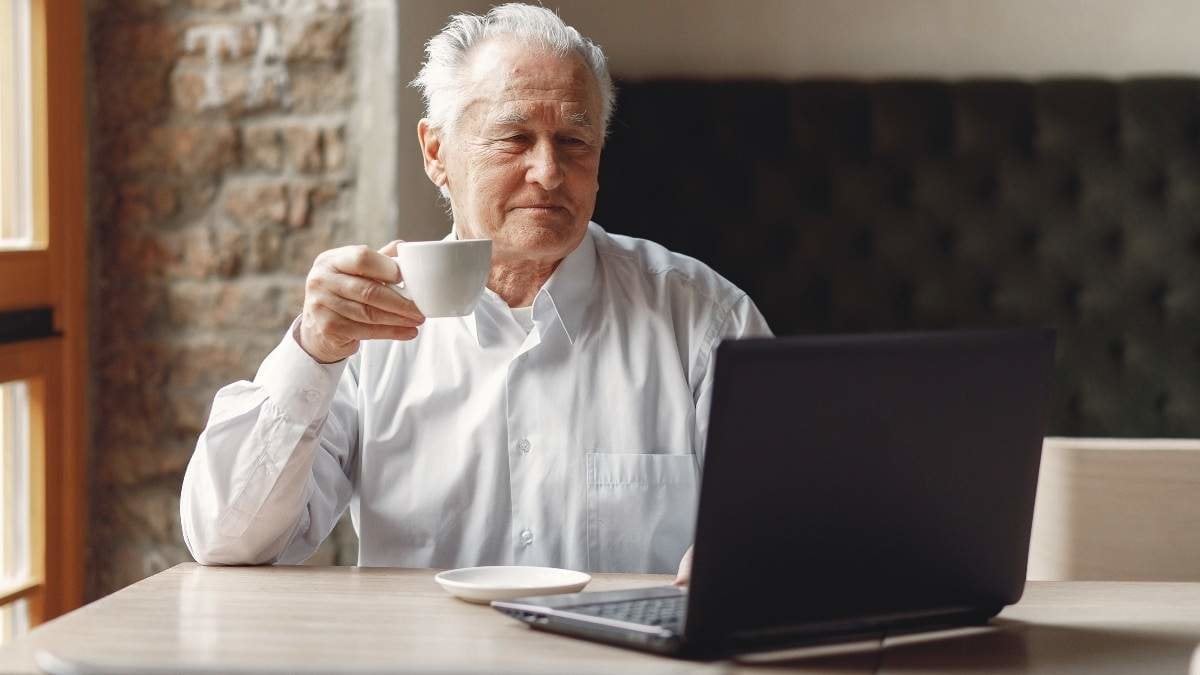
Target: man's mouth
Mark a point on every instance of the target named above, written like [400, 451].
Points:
[541, 209]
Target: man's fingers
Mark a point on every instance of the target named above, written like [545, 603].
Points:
[684, 575]
[356, 311]
[361, 261]
[391, 248]
[355, 330]
[373, 293]
[348, 296]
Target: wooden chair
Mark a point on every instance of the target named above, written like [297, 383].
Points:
[1117, 509]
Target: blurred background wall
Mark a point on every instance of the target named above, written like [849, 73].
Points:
[221, 166]
[233, 140]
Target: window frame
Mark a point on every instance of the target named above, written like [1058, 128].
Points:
[53, 274]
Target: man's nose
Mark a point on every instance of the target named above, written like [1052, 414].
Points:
[544, 167]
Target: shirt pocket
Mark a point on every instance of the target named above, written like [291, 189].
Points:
[641, 510]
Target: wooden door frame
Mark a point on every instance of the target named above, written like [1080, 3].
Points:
[53, 274]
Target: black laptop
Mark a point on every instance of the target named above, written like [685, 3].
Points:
[852, 486]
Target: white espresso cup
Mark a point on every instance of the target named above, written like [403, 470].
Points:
[444, 278]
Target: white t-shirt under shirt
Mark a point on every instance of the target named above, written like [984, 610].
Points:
[574, 445]
[524, 317]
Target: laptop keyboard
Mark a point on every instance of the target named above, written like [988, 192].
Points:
[664, 612]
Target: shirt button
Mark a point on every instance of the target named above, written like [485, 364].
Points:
[524, 446]
[526, 537]
[311, 396]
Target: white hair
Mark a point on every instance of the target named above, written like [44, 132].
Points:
[446, 52]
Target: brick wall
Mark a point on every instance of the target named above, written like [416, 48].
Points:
[220, 167]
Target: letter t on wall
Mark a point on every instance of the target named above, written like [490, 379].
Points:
[214, 38]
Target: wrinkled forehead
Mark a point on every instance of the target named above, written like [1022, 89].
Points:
[507, 78]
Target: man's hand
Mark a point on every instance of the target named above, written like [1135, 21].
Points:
[348, 297]
[684, 575]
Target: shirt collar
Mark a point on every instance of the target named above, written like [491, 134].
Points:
[571, 287]
[566, 295]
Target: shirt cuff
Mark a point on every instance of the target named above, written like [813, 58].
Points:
[295, 382]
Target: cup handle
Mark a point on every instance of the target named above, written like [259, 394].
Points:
[401, 287]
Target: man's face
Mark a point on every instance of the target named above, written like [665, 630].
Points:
[521, 163]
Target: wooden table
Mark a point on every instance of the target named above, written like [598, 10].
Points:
[346, 619]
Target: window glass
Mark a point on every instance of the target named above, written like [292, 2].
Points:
[14, 503]
[14, 620]
[16, 198]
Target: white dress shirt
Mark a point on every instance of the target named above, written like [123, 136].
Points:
[574, 445]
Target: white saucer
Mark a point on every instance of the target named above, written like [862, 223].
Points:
[484, 584]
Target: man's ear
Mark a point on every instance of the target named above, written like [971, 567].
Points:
[432, 152]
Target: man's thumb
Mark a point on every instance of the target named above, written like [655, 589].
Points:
[389, 249]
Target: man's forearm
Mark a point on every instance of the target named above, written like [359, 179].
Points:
[247, 489]
[240, 505]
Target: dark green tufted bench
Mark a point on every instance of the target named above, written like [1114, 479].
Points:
[901, 205]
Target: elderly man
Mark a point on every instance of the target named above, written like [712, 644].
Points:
[561, 424]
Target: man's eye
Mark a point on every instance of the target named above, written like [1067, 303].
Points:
[568, 140]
